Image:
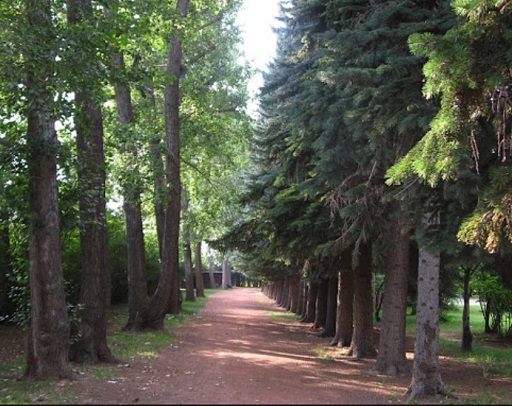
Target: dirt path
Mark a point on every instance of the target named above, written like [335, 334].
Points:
[235, 353]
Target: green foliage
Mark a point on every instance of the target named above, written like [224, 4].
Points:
[461, 70]
[496, 302]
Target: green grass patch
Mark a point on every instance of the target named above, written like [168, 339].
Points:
[285, 316]
[25, 392]
[493, 360]
[451, 319]
[128, 345]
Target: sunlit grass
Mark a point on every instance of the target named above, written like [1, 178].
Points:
[494, 361]
[286, 316]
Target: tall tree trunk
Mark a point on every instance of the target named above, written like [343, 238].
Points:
[189, 272]
[362, 345]
[170, 243]
[330, 317]
[284, 294]
[226, 274]
[138, 300]
[95, 282]
[199, 271]
[391, 358]
[211, 269]
[321, 304]
[345, 307]
[467, 335]
[91, 343]
[158, 171]
[309, 316]
[294, 292]
[302, 297]
[48, 335]
[136, 257]
[426, 375]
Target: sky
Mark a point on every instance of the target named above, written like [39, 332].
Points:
[256, 19]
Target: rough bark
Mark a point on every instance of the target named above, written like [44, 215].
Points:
[48, 335]
[138, 301]
[136, 256]
[211, 269]
[199, 271]
[362, 345]
[90, 344]
[330, 317]
[321, 304]
[426, 376]
[158, 171]
[391, 358]
[226, 274]
[345, 307]
[189, 272]
[309, 316]
[302, 297]
[294, 292]
[170, 243]
[284, 294]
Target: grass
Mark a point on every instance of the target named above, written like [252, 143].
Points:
[124, 345]
[285, 316]
[494, 360]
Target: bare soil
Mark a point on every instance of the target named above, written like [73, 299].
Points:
[236, 351]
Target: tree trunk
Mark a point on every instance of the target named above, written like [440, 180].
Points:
[138, 300]
[189, 272]
[199, 271]
[91, 342]
[226, 274]
[309, 317]
[170, 243]
[211, 269]
[391, 358]
[345, 307]
[136, 255]
[301, 305]
[467, 335]
[158, 171]
[48, 335]
[91, 345]
[284, 293]
[321, 304]
[294, 292]
[426, 376]
[330, 317]
[362, 345]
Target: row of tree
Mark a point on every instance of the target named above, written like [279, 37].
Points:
[139, 102]
[381, 149]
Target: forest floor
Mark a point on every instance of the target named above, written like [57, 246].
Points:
[242, 349]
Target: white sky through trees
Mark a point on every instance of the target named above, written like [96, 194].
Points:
[256, 19]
